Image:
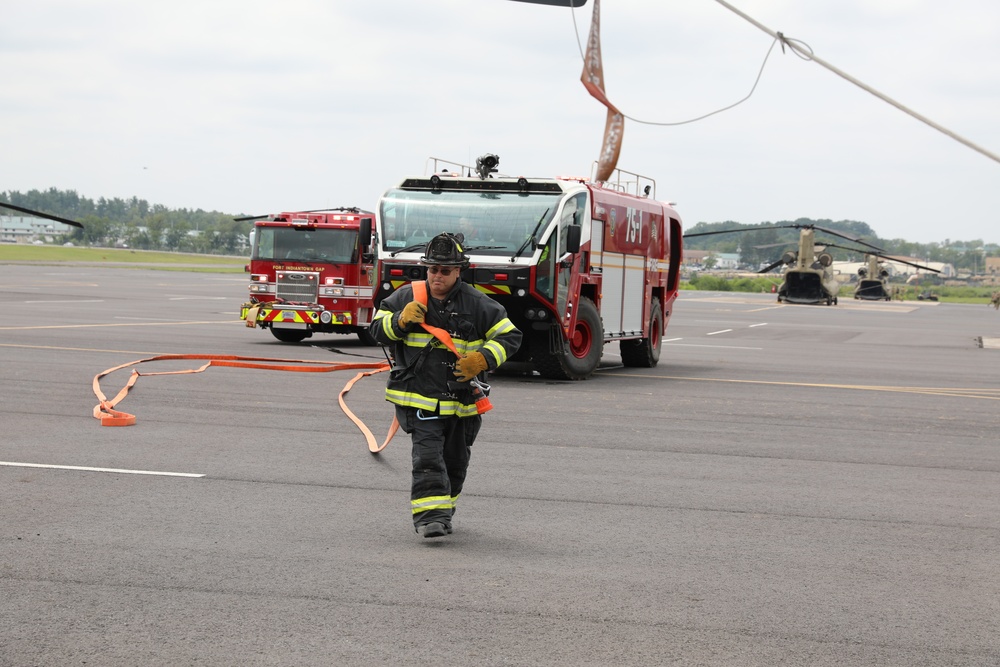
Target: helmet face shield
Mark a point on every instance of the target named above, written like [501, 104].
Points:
[444, 250]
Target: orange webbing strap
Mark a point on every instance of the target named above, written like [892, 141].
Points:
[420, 296]
[369, 437]
[105, 411]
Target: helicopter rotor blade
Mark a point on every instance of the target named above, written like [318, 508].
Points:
[354, 209]
[903, 261]
[737, 231]
[39, 214]
[771, 267]
[846, 236]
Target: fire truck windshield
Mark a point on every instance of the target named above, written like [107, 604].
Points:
[493, 223]
[333, 246]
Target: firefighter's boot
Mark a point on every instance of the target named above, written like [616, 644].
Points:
[434, 529]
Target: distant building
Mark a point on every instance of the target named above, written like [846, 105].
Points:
[28, 229]
[726, 260]
[695, 257]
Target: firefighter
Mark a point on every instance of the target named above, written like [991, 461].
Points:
[434, 391]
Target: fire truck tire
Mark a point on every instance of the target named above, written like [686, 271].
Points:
[290, 335]
[645, 352]
[582, 352]
[366, 338]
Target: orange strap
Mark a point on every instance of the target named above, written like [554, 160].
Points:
[105, 409]
[483, 403]
[420, 295]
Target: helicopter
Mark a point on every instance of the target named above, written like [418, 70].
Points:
[873, 277]
[809, 276]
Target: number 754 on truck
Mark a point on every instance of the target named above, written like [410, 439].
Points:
[576, 263]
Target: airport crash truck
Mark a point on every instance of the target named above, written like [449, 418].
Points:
[576, 263]
[312, 272]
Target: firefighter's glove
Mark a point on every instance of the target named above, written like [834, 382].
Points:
[412, 313]
[470, 366]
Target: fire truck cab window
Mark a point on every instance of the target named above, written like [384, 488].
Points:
[498, 223]
[334, 246]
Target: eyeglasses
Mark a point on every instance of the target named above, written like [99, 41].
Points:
[443, 270]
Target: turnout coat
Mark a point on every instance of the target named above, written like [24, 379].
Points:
[423, 372]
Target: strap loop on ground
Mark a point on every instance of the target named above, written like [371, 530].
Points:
[105, 409]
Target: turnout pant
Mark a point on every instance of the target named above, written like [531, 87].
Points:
[441, 451]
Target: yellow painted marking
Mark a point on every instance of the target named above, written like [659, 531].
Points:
[988, 394]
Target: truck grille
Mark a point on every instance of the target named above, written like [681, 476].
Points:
[297, 286]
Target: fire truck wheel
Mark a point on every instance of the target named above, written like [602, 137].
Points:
[645, 352]
[290, 335]
[580, 355]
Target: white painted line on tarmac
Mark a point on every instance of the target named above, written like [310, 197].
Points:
[718, 332]
[69, 301]
[717, 347]
[88, 469]
[671, 340]
[762, 324]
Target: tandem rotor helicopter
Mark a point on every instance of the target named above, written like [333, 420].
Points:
[809, 277]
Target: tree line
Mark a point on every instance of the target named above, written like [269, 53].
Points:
[137, 223]
[760, 246]
[141, 225]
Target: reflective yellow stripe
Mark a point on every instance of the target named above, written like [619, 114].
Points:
[417, 339]
[432, 503]
[386, 317]
[497, 350]
[457, 409]
[500, 328]
[411, 400]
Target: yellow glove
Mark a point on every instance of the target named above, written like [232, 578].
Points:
[412, 313]
[470, 366]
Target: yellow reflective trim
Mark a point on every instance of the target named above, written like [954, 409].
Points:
[501, 327]
[449, 408]
[418, 339]
[432, 503]
[411, 399]
[386, 317]
[497, 350]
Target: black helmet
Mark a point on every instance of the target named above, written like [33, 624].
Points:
[444, 250]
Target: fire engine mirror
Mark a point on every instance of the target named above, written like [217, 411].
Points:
[573, 234]
[365, 233]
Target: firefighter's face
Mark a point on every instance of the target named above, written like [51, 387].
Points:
[441, 279]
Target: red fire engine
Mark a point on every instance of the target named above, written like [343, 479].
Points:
[312, 272]
[576, 263]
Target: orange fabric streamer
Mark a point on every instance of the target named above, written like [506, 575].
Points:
[593, 81]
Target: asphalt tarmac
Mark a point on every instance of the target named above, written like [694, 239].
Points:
[791, 485]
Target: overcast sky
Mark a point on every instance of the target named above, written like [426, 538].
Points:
[256, 107]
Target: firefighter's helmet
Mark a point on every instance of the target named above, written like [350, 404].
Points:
[444, 250]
